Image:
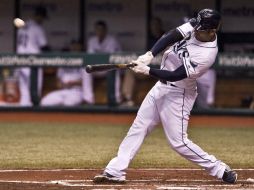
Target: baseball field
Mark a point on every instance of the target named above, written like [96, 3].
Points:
[65, 150]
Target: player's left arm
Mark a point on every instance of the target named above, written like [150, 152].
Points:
[178, 74]
[172, 76]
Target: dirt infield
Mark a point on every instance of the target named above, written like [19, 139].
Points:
[145, 179]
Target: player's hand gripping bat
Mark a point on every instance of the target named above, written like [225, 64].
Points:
[108, 67]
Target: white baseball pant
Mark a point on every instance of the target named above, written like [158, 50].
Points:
[24, 75]
[206, 89]
[66, 97]
[172, 106]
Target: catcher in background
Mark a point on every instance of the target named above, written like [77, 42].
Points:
[170, 101]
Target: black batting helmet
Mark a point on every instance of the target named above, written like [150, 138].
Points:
[208, 19]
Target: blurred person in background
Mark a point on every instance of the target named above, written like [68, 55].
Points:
[130, 78]
[69, 84]
[206, 89]
[31, 39]
[101, 42]
[156, 31]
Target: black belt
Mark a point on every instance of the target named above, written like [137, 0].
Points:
[165, 82]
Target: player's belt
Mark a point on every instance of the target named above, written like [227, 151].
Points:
[166, 83]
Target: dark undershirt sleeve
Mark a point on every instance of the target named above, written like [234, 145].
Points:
[172, 76]
[167, 39]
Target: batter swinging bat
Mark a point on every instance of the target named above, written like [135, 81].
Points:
[107, 67]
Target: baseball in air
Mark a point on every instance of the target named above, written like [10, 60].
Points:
[19, 23]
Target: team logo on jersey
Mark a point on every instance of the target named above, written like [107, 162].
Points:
[180, 49]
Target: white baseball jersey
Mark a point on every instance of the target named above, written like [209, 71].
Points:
[66, 75]
[199, 57]
[31, 38]
[108, 45]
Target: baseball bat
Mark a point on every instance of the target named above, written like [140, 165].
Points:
[107, 67]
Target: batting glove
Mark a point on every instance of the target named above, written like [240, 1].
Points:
[140, 68]
[145, 59]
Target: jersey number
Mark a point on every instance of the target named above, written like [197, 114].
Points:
[181, 50]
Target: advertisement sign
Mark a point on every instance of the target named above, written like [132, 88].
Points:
[173, 12]
[237, 15]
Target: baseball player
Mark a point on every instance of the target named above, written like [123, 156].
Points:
[70, 92]
[31, 39]
[206, 89]
[102, 42]
[170, 101]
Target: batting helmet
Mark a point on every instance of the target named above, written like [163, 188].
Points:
[208, 19]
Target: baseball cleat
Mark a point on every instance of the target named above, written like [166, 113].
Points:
[107, 178]
[229, 176]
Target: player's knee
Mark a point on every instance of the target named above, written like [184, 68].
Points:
[178, 143]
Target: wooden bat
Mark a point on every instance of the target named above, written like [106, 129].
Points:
[108, 67]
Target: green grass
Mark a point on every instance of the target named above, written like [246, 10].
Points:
[44, 145]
